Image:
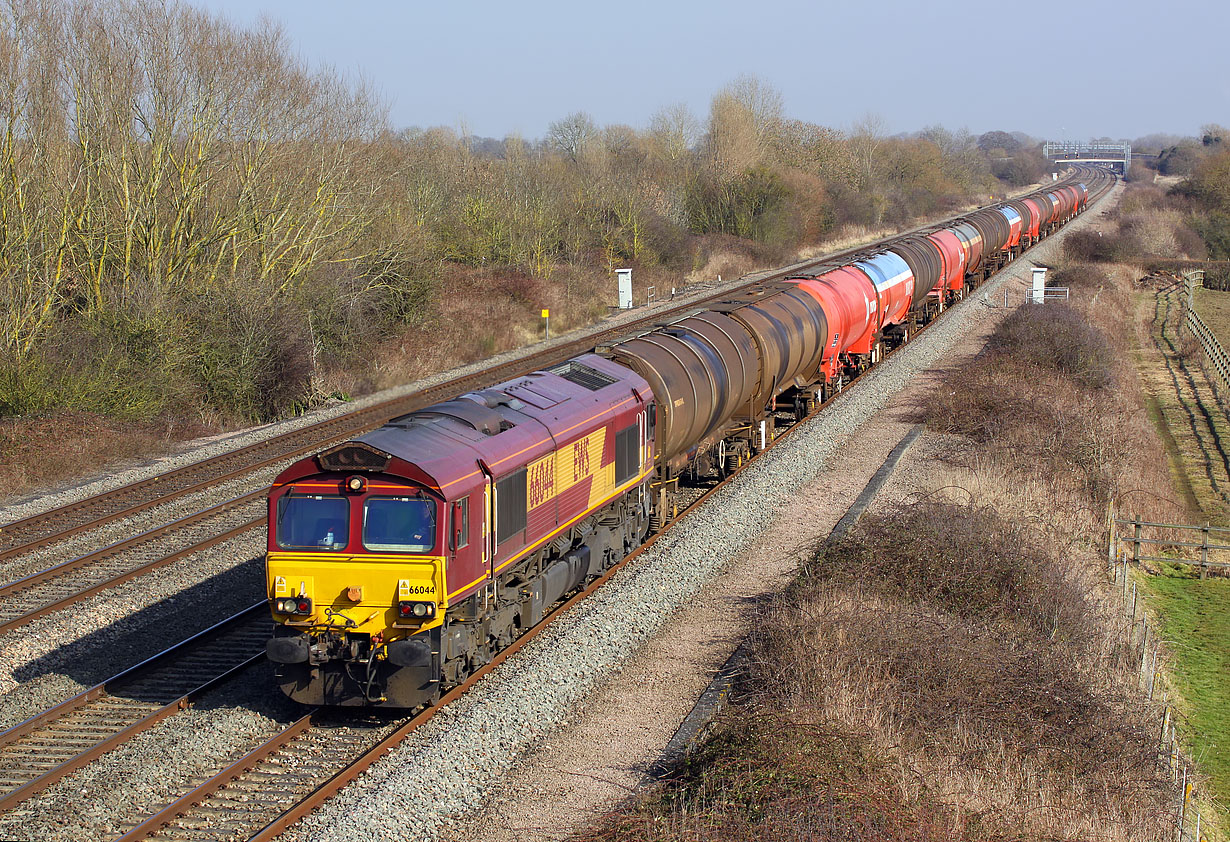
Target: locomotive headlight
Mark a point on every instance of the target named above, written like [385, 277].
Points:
[300, 605]
[355, 485]
[416, 610]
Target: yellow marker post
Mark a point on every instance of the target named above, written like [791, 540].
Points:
[546, 315]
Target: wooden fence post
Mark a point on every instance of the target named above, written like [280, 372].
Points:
[1185, 792]
[1112, 534]
[1144, 657]
[1165, 745]
[1153, 669]
[1204, 552]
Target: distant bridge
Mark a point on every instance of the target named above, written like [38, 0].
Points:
[1115, 155]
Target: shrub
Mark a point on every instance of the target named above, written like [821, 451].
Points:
[973, 401]
[761, 776]
[1088, 246]
[1079, 276]
[1189, 243]
[1138, 173]
[970, 562]
[977, 656]
[121, 364]
[1059, 337]
[1214, 230]
[252, 359]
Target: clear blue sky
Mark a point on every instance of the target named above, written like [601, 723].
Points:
[1070, 69]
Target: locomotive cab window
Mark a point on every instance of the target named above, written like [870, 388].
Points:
[313, 522]
[461, 524]
[627, 454]
[399, 524]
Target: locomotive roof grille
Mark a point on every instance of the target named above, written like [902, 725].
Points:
[583, 375]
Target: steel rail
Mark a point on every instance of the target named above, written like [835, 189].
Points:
[135, 573]
[11, 738]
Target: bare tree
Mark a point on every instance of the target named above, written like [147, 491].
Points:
[151, 148]
[673, 132]
[762, 101]
[866, 138]
[573, 135]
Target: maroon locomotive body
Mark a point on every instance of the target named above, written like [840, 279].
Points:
[427, 544]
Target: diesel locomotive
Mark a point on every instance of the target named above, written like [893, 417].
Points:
[403, 560]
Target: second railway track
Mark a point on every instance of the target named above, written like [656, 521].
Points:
[40, 751]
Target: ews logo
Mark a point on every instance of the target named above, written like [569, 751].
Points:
[580, 460]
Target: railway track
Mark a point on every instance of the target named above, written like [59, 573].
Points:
[284, 779]
[26, 599]
[40, 751]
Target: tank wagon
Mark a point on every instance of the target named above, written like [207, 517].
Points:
[403, 560]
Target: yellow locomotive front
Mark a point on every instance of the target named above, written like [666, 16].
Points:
[356, 580]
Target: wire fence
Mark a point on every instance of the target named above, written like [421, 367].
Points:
[1213, 351]
[1216, 355]
[1127, 547]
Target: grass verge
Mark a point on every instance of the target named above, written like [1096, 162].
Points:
[1214, 307]
[1195, 622]
[1193, 614]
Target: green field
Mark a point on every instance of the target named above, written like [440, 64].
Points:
[1195, 618]
[1195, 614]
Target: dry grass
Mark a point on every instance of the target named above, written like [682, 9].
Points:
[983, 667]
[487, 313]
[43, 449]
[771, 777]
[943, 672]
[848, 236]
[1214, 308]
